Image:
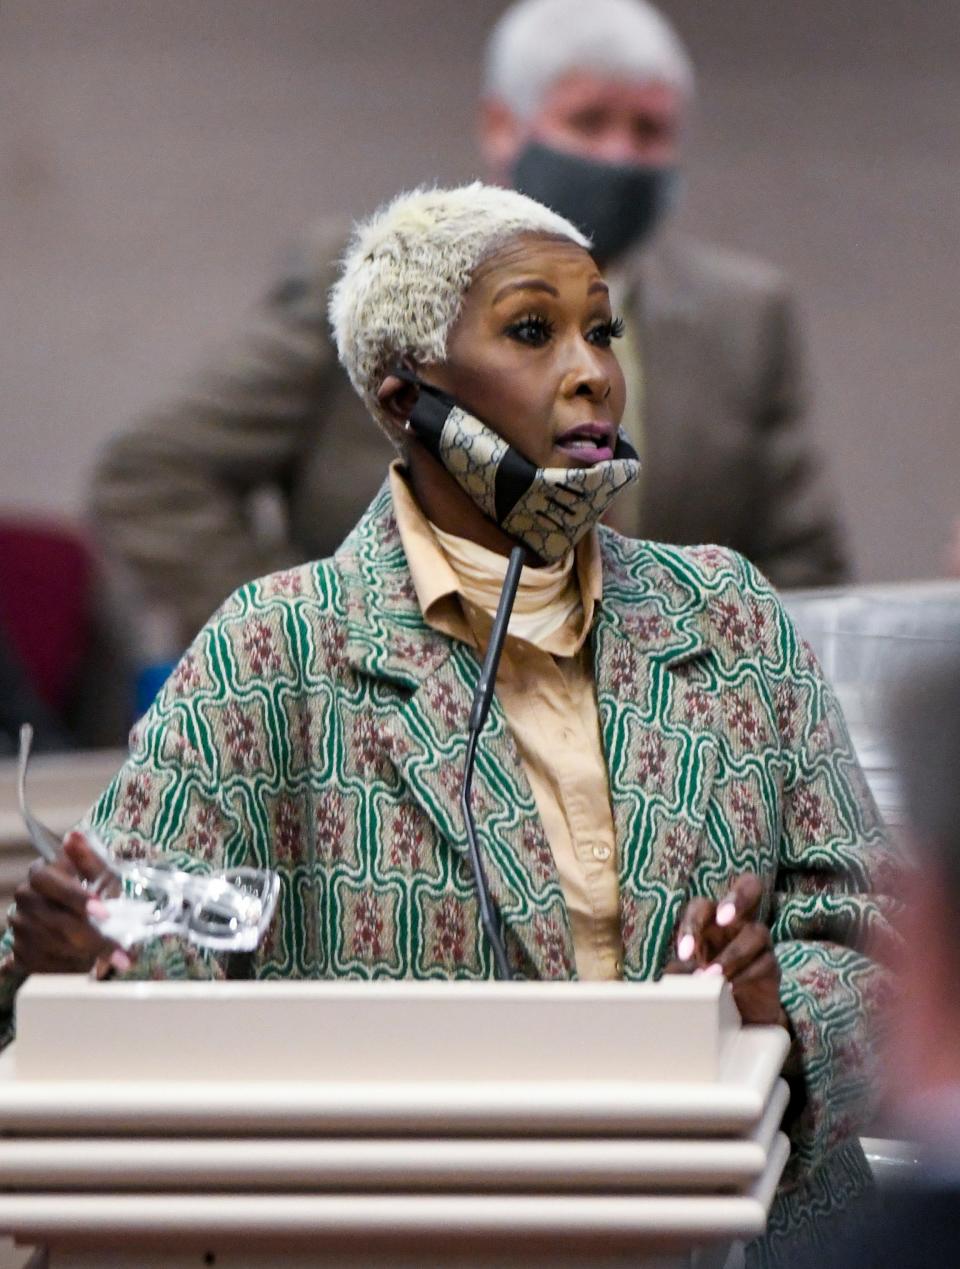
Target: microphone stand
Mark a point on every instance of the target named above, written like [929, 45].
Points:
[478, 716]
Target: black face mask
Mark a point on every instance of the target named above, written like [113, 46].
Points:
[617, 205]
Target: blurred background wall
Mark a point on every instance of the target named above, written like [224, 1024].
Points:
[158, 156]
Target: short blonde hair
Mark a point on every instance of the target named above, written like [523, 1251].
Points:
[408, 267]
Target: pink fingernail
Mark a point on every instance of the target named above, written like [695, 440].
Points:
[714, 969]
[726, 912]
[97, 909]
[685, 947]
[120, 960]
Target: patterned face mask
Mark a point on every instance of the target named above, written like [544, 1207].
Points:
[548, 509]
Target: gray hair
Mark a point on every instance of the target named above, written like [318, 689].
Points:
[537, 41]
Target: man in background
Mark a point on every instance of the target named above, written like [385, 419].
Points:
[583, 107]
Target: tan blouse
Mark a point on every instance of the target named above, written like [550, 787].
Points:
[546, 687]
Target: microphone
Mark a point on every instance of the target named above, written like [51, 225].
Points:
[478, 716]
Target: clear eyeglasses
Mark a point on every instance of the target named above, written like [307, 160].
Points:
[225, 911]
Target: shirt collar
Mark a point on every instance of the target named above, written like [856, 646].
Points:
[438, 587]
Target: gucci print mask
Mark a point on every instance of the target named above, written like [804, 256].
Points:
[548, 509]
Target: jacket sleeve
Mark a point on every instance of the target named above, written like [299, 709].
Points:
[797, 536]
[182, 796]
[832, 906]
[171, 498]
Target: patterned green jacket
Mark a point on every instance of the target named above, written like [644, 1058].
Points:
[317, 724]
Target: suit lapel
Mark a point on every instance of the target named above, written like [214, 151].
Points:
[650, 650]
[424, 730]
[670, 339]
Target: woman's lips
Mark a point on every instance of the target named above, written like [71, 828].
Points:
[588, 443]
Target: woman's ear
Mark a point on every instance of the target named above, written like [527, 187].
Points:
[397, 397]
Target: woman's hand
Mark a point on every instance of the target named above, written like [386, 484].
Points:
[52, 930]
[724, 938]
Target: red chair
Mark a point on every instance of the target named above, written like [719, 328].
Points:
[56, 631]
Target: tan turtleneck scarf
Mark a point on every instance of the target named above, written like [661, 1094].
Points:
[547, 598]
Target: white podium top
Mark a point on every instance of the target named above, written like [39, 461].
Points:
[678, 1029]
[391, 1058]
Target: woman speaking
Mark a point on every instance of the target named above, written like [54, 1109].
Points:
[664, 782]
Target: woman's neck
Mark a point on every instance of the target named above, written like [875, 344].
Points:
[447, 506]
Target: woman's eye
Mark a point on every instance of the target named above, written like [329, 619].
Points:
[604, 332]
[533, 329]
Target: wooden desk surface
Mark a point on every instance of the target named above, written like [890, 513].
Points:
[62, 788]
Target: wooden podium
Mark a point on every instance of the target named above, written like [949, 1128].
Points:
[387, 1123]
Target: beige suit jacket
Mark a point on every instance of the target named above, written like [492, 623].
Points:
[728, 457]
